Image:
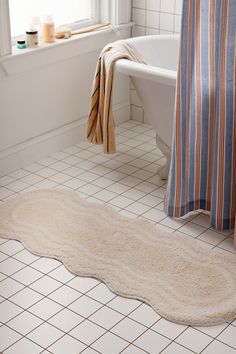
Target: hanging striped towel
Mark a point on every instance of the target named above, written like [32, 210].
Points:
[101, 127]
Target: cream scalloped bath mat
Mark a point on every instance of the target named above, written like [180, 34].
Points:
[182, 281]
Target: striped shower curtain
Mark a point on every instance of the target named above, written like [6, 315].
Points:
[203, 167]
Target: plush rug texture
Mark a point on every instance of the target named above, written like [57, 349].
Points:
[182, 281]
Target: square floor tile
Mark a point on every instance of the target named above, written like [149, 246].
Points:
[45, 309]
[60, 166]
[154, 215]
[67, 344]
[128, 329]
[8, 310]
[168, 329]
[110, 344]
[72, 149]
[217, 347]
[88, 176]
[212, 237]
[174, 348]
[60, 178]
[17, 186]
[24, 346]
[45, 265]
[5, 193]
[83, 284]
[61, 274]
[202, 220]
[24, 323]
[138, 208]
[85, 306]
[192, 229]
[103, 182]
[8, 337]
[11, 247]
[46, 172]
[146, 187]
[26, 298]
[133, 194]
[86, 165]
[105, 195]
[6, 180]
[59, 155]
[3, 240]
[123, 305]
[121, 202]
[101, 293]
[106, 317]
[145, 315]
[89, 189]
[173, 223]
[152, 342]
[2, 276]
[27, 275]
[213, 331]
[74, 183]
[90, 351]
[228, 336]
[31, 179]
[194, 340]
[228, 245]
[73, 171]
[46, 183]
[65, 295]
[87, 332]
[47, 161]
[118, 188]
[45, 285]
[9, 287]
[25, 257]
[3, 257]
[19, 173]
[66, 320]
[72, 160]
[132, 349]
[10, 266]
[34, 167]
[45, 335]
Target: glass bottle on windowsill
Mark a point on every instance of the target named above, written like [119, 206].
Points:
[48, 29]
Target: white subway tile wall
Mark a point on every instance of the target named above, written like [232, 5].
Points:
[153, 17]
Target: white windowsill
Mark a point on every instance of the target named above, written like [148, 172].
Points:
[22, 60]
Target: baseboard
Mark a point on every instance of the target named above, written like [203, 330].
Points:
[41, 146]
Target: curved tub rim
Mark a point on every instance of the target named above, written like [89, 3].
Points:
[146, 71]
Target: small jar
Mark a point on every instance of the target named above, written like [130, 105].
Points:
[32, 38]
[36, 25]
[21, 44]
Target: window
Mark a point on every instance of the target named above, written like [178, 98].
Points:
[76, 13]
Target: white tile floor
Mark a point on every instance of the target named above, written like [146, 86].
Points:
[45, 309]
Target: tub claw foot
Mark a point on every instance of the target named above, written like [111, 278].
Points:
[163, 171]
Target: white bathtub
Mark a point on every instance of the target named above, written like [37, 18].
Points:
[155, 84]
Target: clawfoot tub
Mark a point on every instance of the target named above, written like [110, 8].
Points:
[155, 84]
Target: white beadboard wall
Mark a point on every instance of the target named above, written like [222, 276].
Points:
[153, 17]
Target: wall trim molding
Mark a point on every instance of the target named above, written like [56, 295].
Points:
[41, 146]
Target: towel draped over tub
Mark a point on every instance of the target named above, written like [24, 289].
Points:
[101, 126]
